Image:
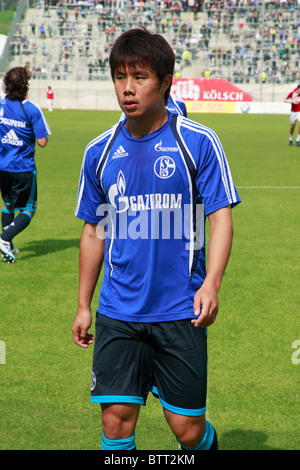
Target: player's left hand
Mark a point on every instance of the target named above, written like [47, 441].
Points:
[206, 306]
[80, 327]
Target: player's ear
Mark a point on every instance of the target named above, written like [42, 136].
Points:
[167, 82]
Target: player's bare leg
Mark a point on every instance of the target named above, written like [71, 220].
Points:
[298, 136]
[118, 425]
[292, 128]
[192, 432]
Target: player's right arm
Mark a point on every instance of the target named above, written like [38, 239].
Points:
[288, 98]
[91, 255]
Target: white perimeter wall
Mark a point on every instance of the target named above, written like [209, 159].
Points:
[97, 94]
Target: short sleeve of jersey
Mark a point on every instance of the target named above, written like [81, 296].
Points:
[214, 181]
[213, 178]
[37, 120]
[90, 194]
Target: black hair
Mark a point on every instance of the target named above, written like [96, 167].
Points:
[140, 47]
[16, 83]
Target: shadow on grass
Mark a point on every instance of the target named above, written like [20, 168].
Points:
[44, 247]
[244, 440]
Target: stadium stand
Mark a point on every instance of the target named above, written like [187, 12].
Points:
[244, 41]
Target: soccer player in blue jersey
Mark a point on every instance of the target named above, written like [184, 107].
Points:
[147, 186]
[21, 123]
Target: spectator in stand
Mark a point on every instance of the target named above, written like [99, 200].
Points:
[33, 26]
[46, 8]
[42, 31]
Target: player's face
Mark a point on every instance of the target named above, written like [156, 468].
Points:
[139, 93]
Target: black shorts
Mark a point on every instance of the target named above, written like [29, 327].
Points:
[19, 190]
[167, 358]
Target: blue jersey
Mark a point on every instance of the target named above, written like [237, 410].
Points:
[177, 106]
[18, 131]
[153, 193]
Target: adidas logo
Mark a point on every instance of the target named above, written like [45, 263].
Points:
[12, 139]
[121, 152]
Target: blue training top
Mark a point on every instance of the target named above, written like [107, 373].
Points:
[153, 193]
[18, 131]
[177, 106]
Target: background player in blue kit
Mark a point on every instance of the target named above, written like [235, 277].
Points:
[176, 105]
[146, 187]
[21, 123]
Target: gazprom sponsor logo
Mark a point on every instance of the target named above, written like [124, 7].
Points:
[145, 202]
[11, 122]
[160, 148]
[150, 216]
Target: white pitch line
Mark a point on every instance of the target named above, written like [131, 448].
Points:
[268, 187]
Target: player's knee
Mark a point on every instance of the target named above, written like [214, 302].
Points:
[191, 437]
[7, 207]
[189, 430]
[118, 421]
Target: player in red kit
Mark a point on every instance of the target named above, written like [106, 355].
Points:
[294, 99]
[50, 98]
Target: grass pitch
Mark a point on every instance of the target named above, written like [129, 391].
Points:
[253, 389]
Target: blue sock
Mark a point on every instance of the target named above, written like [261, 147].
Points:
[17, 226]
[209, 441]
[7, 216]
[118, 444]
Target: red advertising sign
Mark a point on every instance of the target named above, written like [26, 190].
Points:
[208, 89]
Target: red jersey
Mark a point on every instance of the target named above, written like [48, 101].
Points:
[50, 94]
[294, 99]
